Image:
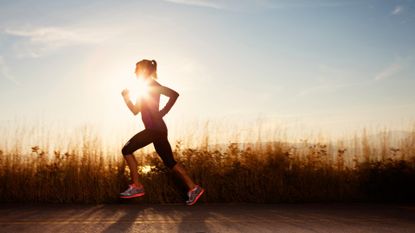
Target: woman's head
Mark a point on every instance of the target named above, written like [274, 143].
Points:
[146, 69]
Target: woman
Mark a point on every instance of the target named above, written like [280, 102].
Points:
[155, 131]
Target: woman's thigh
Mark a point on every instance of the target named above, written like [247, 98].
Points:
[163, 149]
[138, 141]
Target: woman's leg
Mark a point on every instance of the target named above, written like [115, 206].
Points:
[163, 148]
[138, 141]
[181, 172]
[132, 165]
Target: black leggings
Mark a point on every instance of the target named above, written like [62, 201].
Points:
[159, 140]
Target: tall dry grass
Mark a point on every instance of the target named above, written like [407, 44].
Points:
[365, 168]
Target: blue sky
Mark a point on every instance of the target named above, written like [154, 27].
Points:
[332, 65]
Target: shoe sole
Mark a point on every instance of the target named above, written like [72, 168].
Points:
[197, 197]
[132, 196]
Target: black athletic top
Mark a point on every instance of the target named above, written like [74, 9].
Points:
[150, 115]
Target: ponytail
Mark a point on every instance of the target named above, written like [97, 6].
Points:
[154, 64]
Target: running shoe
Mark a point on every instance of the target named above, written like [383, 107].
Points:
[132, 191]
[194, 195]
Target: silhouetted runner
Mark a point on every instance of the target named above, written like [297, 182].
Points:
[155, 131]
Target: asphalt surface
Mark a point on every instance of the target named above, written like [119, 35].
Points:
[256, 218]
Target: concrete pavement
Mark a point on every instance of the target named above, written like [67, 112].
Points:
[256, 218]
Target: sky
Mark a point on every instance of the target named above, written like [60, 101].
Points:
[326, 65]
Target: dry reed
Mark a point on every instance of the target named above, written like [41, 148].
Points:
[262, 172]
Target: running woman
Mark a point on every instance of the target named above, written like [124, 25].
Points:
[155, 131]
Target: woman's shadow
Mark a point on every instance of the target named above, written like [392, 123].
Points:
[194, 219]
[125, 222]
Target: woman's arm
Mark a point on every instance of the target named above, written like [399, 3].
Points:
[172, 94]
[134, 108]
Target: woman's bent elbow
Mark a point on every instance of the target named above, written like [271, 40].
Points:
[176, 95]
[135, 111]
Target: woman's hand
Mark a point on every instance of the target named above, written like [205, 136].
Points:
[134, 108]
[162, 112]
[126, 94]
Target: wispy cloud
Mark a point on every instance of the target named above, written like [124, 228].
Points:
[200, 3]
[5, 72]
[325, 88]
[389, 71]
[258, 4]
[397, 10]
[330, 79]
[50, 35]
[37, 41]
[308, 4]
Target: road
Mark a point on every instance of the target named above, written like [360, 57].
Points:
[256, 218]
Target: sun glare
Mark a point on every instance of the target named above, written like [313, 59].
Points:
[146, 168]
[138, 88]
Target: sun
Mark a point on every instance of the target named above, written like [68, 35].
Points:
[139, 88]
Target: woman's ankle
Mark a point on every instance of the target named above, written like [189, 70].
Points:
[138, 185]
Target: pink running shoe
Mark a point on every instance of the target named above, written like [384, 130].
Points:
[132, 191]
[194, 195]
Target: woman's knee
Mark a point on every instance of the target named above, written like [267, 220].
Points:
[126, 151]
[166, 154]
[170, 163]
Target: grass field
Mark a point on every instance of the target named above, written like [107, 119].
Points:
[366, 168]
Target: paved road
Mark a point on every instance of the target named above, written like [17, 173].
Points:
[208, 218]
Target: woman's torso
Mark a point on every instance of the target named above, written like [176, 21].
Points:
[150, 108]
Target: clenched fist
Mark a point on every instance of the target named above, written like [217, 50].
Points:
[125, 93]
